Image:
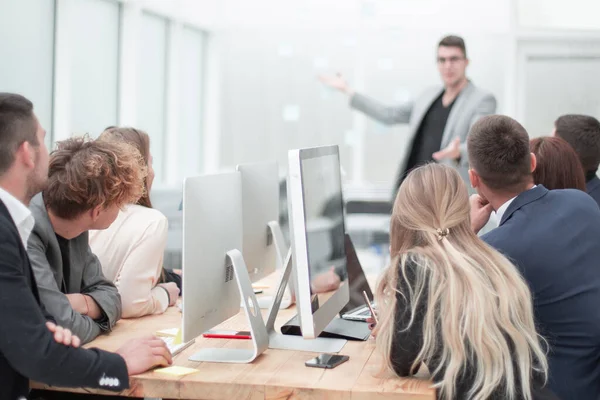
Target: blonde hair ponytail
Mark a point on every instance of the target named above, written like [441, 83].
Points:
[478, 307]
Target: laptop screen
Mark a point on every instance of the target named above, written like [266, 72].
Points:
[356, 279]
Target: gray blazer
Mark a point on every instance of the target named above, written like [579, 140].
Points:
[472, 104]
[85, 277]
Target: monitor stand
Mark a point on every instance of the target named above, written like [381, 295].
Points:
[260, 338]
[290, 342]
[276, 237]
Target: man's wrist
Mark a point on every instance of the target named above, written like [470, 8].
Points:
[78, 303]
[87, 306]
[167, 292]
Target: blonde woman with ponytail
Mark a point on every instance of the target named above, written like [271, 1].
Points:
[453, 303]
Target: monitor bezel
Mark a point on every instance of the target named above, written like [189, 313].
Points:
[311, 324]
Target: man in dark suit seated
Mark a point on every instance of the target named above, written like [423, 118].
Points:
[553, 237]
[582, 132]
[31, 345]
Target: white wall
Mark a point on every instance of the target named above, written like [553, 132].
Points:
[557, 47]
[578, 15]
[88, 64]
[92, 101]
[192, 123]
[261, 59]
[272, 51]
[204, 14]
[26, 55]
[123, 77]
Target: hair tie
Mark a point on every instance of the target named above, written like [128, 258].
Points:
[442, 233]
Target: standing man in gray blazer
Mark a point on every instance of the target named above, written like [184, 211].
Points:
[440, 118]
[88, 183]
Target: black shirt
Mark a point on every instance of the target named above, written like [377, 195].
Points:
[428, 138]
[65, 252]
[407, 343]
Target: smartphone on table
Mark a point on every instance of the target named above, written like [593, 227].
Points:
[326, 361]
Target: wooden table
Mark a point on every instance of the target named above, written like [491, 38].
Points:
[276, 374]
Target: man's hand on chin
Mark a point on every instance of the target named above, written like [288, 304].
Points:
[481, 210]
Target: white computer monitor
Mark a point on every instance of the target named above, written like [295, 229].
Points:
[212, 225]
[316, 212]
[215, 275]
[260, 213]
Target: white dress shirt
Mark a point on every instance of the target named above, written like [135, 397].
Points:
[131, 253]
[502, 209]
[20, 214]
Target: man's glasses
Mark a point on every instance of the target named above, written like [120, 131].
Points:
[452, 60]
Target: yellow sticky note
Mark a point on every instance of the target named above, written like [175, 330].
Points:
[172, 332]
[176, 371]
[178, 338]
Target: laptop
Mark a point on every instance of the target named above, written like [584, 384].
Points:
[351, 325]
[356, 309]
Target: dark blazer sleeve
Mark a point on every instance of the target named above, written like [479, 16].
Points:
[28, 345]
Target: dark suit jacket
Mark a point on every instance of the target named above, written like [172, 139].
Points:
[27, 348]
[553, 237]
[593, 188]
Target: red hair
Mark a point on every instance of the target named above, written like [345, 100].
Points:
[558, 166]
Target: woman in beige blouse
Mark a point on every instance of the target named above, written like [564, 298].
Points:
[131, 249]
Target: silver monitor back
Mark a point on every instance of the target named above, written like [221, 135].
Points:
[317, 233]
[212, 226]
[260, 205]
